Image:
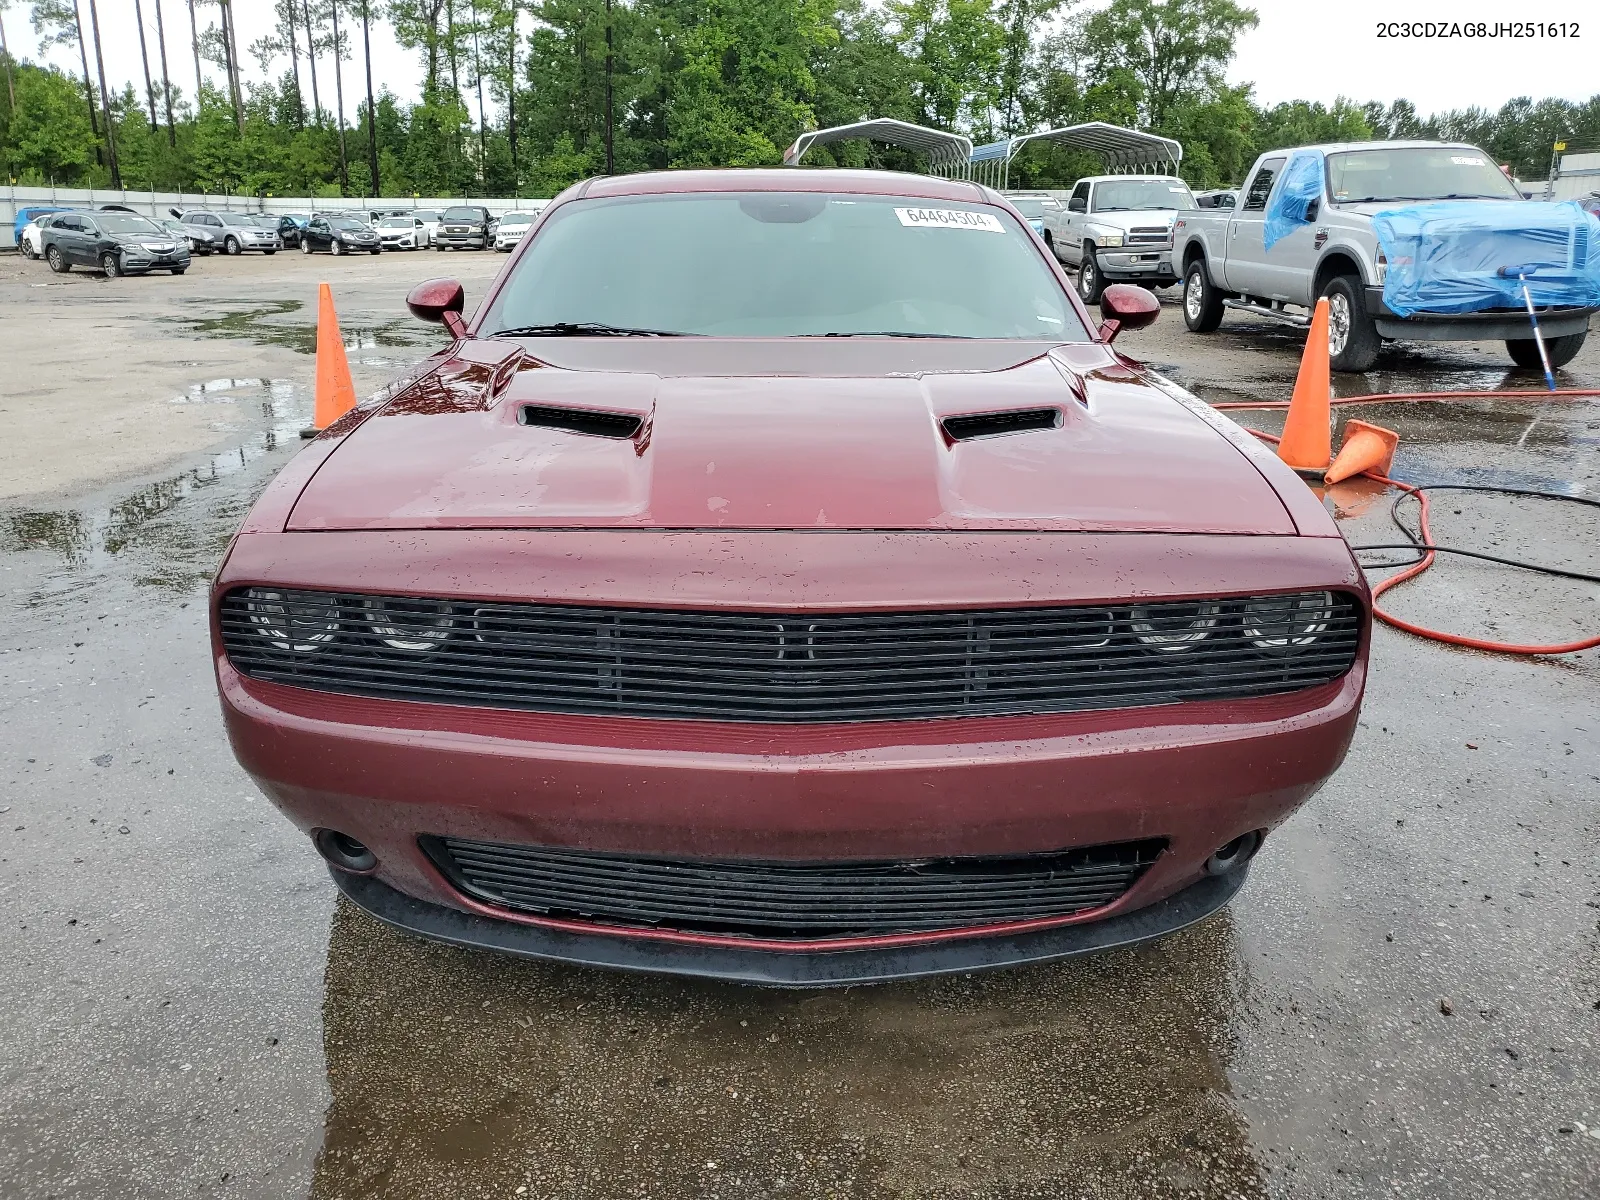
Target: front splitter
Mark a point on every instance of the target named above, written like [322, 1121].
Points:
[841, 968]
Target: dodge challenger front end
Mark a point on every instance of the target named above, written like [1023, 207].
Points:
[782, 578]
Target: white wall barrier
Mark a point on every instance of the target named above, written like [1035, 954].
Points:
[157, 204]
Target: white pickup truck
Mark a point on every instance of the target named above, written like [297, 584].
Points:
[1118, 229]
[1222, 258]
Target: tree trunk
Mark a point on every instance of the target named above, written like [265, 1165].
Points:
[144, 57]
[311, 60]
[88, 88]
[194, 43]
[105, 98]
[611, 162]
[338, 88]
[477, 70]
[290, 26]
[455, 87]
[230, 52]
[372, 108]
[5, 53]
[511, 99]
[166, 80]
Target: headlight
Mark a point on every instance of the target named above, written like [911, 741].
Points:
[1109, 239]
[414, 625]
[1175, 626]
[1288, 623]
[1383, 269]
[292, 622]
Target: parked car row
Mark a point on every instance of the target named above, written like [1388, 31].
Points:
[119, 241]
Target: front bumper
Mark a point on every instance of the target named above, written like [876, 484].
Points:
[390, 772]
[461, 240]
[144, 260]
[407, 242]
[774, 969]
[1151, 264]
[1504, 325]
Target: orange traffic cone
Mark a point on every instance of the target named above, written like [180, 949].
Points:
[1307, 443]
[1366, 448]
[336, 392]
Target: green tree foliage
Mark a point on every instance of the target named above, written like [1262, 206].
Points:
[691, 83]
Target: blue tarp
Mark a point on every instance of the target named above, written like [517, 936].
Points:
[1446, 257]
[1291, 199]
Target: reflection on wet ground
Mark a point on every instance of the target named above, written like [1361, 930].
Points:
[260, 322]
[455, 1073]
[177, 540]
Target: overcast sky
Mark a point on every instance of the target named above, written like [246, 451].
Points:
[1303, 49]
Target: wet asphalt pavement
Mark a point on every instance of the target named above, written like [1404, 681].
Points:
[1404, 1001]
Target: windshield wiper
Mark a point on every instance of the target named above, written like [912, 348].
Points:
[891, 333]
[582, 329]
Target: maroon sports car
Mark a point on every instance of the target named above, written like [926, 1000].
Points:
[783, 578]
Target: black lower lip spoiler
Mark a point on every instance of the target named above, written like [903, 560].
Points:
[766, 968]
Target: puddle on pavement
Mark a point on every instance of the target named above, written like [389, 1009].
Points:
[263, 324]
[1102, 1076]
[169, 546]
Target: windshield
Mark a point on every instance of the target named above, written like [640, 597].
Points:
[462, 214]
[1137, 195]
[346, 223]
[517, 219]
[786, 264]
[396, 223]
[1028, 206]
[126, 223]
[1417, 173]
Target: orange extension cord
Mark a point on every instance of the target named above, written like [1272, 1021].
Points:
[1426, 535]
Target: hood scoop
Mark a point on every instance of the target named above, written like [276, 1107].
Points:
[589, 421]
[991, 424]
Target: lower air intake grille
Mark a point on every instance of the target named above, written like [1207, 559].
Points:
[790, 900]
[783, 667]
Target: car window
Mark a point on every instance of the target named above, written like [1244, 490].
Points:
[786, 264]
[1081, 192]
[126, 223]
[1141, 195]
[1407, 173]
[517, 219]
[68, 222]
[347, 223]
[396, 223]
[470, 215]
[1261, 185]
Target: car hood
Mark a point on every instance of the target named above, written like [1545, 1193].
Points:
[815, 435]
[1147, 218]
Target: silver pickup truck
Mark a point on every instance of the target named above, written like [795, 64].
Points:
[1222, 258]
[1118, 229]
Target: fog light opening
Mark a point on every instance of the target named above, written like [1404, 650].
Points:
[343, 851]
[1235, 854]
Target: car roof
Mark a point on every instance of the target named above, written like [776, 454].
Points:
[1119, 178]
[1339, 147]
[784, 179]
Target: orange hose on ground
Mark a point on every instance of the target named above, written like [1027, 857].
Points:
[1340, 401]
[1417, 568]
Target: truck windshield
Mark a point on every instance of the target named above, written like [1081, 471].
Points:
[1417, 173]
[1139, 195]
[784, 264]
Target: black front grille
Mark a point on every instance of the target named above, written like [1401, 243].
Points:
[732, 666]
[1149, 233]
[790, 900]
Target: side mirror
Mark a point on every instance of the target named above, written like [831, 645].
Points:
[1126, 306]
[1077, 204]
[440, 301]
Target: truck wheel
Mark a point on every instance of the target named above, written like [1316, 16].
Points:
[1202, 303]
[1562, 350]
[1352, 337]
[1090, 282]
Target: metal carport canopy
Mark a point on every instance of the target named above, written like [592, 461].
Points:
[943, 149]
[1118, 146]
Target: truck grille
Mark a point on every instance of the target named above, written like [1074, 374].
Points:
[790, 900]
[1147, 234]
[788, 667]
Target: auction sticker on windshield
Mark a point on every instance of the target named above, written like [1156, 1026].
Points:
[949, 218]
